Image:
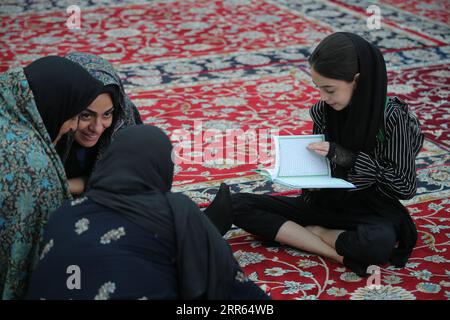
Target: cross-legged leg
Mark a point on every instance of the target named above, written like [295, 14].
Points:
[329, 236]
[278, 218]
[299, 237]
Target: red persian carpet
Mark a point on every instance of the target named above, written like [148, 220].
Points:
[203, 70]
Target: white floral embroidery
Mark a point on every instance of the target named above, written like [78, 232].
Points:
[114, 234]
[105, 291]
[81, 225]
[47, 248]
[240, 276]
[78, 201]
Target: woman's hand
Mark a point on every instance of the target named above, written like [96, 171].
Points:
[77, 185]
[321, 148]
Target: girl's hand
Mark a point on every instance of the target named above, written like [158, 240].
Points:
[321, 148]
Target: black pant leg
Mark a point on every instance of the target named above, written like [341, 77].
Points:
[263, 215]
[368, 244]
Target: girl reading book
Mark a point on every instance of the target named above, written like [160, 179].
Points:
[372, 141]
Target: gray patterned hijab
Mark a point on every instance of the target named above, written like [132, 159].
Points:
[125, 113]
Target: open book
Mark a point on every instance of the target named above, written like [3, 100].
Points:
[298, 167]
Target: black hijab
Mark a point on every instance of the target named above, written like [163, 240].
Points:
[355, 127]
[68, 148]
[61, 90]
[134, 178]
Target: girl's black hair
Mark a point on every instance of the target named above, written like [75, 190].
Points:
[341, 56]
[335, 57]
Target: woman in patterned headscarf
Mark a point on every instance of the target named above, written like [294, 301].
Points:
[38, 105]
[98, 124]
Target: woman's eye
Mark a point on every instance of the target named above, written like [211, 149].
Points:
[108, 114]
[85, 116]
[329, 92]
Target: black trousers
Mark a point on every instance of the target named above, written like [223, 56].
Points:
[372, 222]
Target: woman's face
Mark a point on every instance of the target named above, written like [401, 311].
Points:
[336, 93]
[94, 120]
[69, 125]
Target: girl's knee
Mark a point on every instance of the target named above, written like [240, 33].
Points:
[381, 242]
[371, 244]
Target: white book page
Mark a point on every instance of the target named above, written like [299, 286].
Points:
[295, 160]
[321, 182]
